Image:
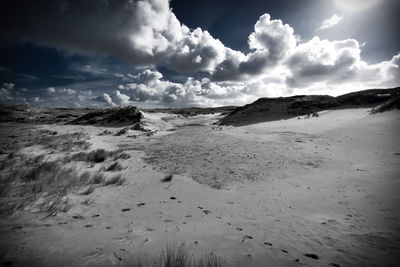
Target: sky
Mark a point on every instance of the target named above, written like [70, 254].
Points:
[160, 53]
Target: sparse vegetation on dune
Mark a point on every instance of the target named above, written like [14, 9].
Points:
[177, 256]
[65, 142]
[16, 137]
[46, 184]
[32, 182]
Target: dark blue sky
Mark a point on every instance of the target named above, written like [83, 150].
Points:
[35, 65]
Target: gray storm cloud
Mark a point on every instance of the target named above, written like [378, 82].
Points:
[143, 32]
[138, 31]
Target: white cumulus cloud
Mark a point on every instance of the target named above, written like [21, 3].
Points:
[332, 21]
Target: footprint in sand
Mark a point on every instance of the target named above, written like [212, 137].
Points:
[78, 217]
[173, 198]
[145, 241]
[88, 225]
[246, 237]
[141, 204]
[267, 243]
[127, 209]
[239, 229]
[96, 215]
[284, 251]
[206, 212]
[312, 256]
[120, 238]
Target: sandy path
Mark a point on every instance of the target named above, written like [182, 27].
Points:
[327, 186]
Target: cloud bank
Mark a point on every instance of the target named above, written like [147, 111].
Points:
[147, 34]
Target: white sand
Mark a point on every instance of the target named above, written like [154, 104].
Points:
[328, 186]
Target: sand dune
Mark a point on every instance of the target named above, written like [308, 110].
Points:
[318, 192]
[271, 109]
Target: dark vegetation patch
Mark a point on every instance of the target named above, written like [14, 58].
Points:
[98, 156]
[393, 103]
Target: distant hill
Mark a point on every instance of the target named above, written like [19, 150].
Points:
[42, 115]
[193, 111]
[263, 109]
[270, 109]
[111, 117]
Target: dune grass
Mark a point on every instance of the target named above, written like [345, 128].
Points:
[62, 143]
[115, 166]
[47, 184]
[176, 256]
[27, 181]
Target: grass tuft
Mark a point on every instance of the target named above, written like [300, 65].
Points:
[117, 180]
[122, 156]
[98, 178]
[98, 155]
[177, 256]
[88, 190]
[114, 167]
